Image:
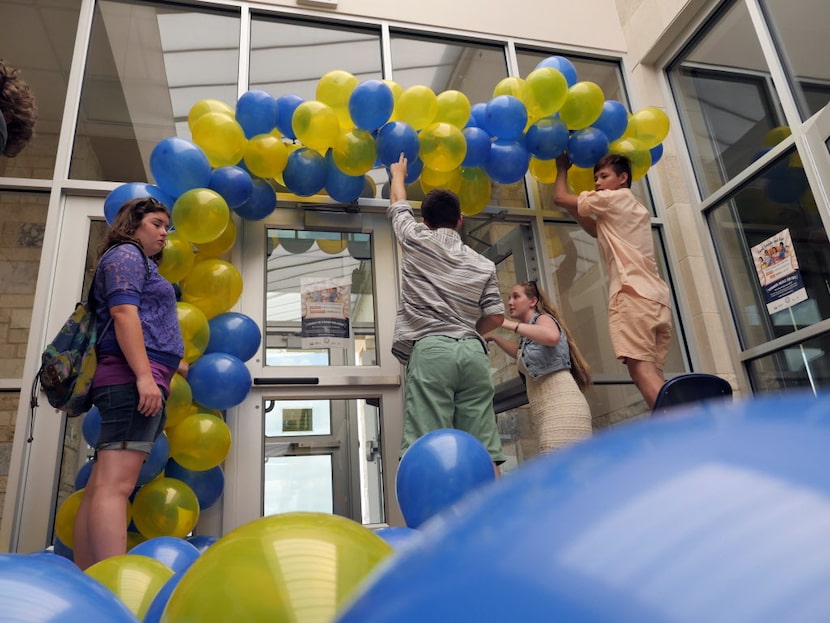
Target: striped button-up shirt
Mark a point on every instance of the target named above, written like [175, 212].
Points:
[445, 285]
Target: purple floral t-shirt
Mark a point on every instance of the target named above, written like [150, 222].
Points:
[122, 278]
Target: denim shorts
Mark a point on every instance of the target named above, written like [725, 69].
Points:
[122, 426]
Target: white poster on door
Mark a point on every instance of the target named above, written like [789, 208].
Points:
[777, 268]
[325, 312]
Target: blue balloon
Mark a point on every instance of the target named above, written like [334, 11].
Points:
[478, 115]
[256, 112]
[413, 169]
[305, 173]
[341, 187]
[61, 549]
[82, 477]
[371, 104]
[262, 203]
[234, 333]
[133, 190]
[234, 184]
[156, 609]
[478, 146]
[437, 471]
[613, 120]
[676, 518]
[587, 146]
[395, 138]
[178, 165]
[219, 381]
[547, 138]
[174, 552]
[55, 559]
[398, 536]
[785, 184]
[155, 461]
[202, 541]
[505, 117]
[656, 154]
[508, 161]
[35, 590]
[206, 484]
[91, 426]
[563, 65]
[286, 105]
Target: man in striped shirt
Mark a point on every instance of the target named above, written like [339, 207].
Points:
[449, 298]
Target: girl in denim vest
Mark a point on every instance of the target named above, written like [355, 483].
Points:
[554, 370]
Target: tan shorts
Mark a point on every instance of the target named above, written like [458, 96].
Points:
[640, 328]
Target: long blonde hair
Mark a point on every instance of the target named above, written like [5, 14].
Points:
[580, 369]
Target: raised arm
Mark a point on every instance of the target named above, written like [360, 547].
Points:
[564, 198]
[397, 183]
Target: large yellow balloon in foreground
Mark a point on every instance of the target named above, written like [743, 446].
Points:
[288, 568]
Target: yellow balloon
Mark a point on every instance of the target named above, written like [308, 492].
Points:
[295, 566]
[134, 538]
[355, 152]
[202, 107]
[417, 106]
[651, 126]
[220, 137]
[636, 153]
[430, 179]
[474, 193]
[332, 247]
[580, 179]
[200, 441]
[543, 171]
[200, 215]
[214, 286]
[165, 507]
[776, 135]
[315, 124]
[134, 579]
[443, 147]
[65, 518]
[266, 155]
[177, 258]
[545, 92]
[334, 89]
[218, 246]
[396, 94]
[453, 108]
[510, 86]
[583, 105]
[178, 402]
[195, 330]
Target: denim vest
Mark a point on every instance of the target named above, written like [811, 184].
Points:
[540, 359]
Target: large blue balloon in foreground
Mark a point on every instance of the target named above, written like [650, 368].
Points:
[35, 590]
[720, 512]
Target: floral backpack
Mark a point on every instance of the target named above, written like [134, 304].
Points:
[68, 362]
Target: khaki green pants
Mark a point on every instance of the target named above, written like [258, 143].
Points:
[448, 385]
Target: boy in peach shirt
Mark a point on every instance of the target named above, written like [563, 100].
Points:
[639, 317]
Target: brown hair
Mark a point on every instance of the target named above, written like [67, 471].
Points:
[128, 220]
[580, 369]
[17, 105]
[618, 163]
[441, 208]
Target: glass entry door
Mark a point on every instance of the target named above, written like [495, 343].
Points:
[325, 408]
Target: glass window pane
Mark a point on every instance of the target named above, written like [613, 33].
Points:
[320, 307]
[38, 40]
[290, 56]
[298, 483]
[773, 293]
[801, 34]
[146, 67]
[725, 98]
[470, 67]
[804, 366]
